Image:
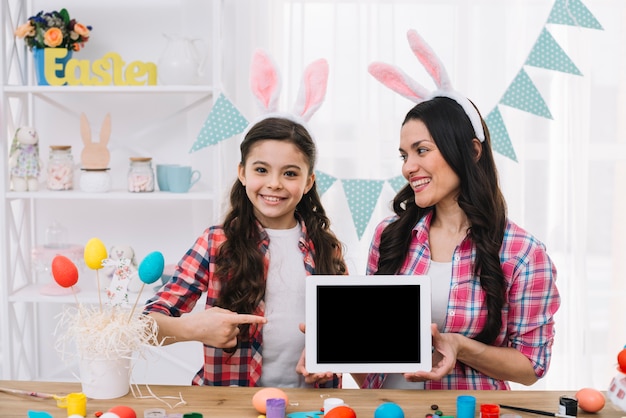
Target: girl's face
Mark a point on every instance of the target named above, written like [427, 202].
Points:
[276, 176]
[430, 176]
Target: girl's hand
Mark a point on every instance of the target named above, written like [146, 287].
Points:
[217, 327]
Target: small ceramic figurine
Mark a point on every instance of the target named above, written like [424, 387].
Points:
[121, 268]
[24, 161]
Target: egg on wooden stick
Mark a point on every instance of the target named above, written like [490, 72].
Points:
[150, 270]
[95, 253]
[65, 273]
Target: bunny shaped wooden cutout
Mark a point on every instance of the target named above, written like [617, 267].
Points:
[95, 155]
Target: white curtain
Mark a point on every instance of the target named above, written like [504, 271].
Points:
[567, 185]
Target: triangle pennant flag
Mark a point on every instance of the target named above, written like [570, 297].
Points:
[362, 196]
[323, 182]
[397, 183]
[548, 54]
[224, 121]
[522, 94]
[500, 141]
[573, 13]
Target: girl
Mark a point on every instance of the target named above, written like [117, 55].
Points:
[253, 267]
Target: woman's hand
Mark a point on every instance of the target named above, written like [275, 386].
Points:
[444, 357]
[311, 378]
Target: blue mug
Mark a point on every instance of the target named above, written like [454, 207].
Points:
[180, 178]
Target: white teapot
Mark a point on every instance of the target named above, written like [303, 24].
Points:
[182, 61]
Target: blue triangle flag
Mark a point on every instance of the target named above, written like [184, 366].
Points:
[323, 182]
[224, 121]
[397, 183]
[548, 54]
[362, 197]
[573, 13]
[500, 141]
[522, 94]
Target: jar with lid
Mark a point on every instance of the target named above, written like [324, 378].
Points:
[140, 175]
[60, 168]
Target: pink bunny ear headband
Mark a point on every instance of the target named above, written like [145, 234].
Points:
[401, 83]
[265, 82]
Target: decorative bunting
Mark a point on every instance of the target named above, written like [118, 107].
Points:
[573, 13]
[224, 121]
[323, 182]
[500, 140]
[397, 183]
[522, 94]
[549, 55]
[362, 196]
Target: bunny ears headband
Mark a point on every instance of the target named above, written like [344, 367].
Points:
[266, 85]
[401, 83]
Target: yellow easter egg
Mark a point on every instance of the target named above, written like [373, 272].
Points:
[95, 252]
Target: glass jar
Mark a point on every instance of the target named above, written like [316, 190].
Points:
[60, 168]
[140, 175]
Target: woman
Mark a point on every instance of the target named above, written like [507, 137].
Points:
[494, 294]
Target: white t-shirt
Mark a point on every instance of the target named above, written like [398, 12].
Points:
[283, 342]
[440, 277]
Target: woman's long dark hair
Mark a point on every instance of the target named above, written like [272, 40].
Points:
[239, 265]
[480, 198]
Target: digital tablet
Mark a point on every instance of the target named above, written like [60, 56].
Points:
[368, 324]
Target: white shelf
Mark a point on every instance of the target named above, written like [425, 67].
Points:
[111, 195]
[33, 294]
[199, 89]
[148, 120]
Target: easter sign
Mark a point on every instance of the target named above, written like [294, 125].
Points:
[101, 72]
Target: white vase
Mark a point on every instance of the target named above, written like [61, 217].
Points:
[104, 378]
[182, 61]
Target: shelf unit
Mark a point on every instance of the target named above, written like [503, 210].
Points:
[147, 117]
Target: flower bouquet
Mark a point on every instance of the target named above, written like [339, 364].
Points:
[53, 37]
[54, 30]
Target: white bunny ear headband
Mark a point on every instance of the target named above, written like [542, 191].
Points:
[401, 83]
[266, 85]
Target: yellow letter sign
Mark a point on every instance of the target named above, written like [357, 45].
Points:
[109, 68]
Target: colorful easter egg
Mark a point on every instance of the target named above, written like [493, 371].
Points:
[151, 267]
[621, 360]
[590, 400]
[341, 411]
[64, 271]
[389, 410]
[95, 253]
[259, 400]
[123, 411]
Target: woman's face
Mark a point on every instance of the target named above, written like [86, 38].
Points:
[430, 176]
[276, 176]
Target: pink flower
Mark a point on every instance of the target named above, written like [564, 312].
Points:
[25, 30]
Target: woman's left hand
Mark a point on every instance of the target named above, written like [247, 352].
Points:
[444, 357]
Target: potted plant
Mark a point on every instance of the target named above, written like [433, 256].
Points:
[53, 29]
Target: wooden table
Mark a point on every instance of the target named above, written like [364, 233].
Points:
[224, 402]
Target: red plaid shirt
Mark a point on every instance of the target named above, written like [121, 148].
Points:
[527, 316]
[194, 276]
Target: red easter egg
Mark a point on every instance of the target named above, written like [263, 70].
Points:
[341, 411]
[123, 411]
[64, 271]
[621, 360]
